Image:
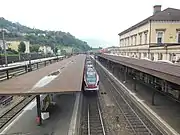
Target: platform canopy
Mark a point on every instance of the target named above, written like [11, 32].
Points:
[63, 76]
[166, 71]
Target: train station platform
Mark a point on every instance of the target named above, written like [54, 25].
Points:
[63, 76]
[59, 122]
[166, 109]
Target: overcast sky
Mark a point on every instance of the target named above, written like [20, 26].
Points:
[99, 21]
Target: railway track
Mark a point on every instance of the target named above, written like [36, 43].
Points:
[6, 117]
[138, 123]
[92, 122]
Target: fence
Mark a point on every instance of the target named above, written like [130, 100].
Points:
[11, 58]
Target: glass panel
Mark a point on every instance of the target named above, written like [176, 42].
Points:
[159, 40]
[159, 37]
[179, 37]
[140, 39]
[145, 38]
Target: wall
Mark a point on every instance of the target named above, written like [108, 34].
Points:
[170, 31]
[14, 45]
[27, 47]
[166, 52]
[138, 30]
[45, 49]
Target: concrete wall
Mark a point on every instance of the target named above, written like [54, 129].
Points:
[14, 45]
[45, 49]
[136, 32]
[170, 33]
[27, 47]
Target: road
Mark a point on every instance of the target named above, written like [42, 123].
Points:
[58, 123]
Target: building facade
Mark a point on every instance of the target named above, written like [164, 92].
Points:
[46, 49]
[156, 38]
[15, 44]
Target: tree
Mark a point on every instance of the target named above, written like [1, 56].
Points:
[56, 50]
[34, 48]
[63, 52]
[21, 47]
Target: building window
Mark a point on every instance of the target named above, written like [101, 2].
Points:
[170, 57]
[160, 56]
[128, 41]
[120, 42]
[145, 38]
[139, 55]
[140, 38]
[178, 37]
[159, 37]
[132, 40]
[135, 39]
[145, 55]
[174, 59]
[152, 56]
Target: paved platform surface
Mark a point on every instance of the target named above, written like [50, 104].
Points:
[166, 108]
[63, 76]
[57, 124]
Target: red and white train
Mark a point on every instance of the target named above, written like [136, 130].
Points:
[91, 78]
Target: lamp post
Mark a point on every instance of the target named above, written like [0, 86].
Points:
[4, 47]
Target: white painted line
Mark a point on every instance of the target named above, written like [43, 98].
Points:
[30, 106]
[165, 124]
[73, 124]
[44, 81]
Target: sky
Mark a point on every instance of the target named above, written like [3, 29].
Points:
[96, 21]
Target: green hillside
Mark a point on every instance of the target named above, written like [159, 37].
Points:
[16, 31]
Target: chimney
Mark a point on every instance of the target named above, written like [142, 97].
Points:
[157, 8]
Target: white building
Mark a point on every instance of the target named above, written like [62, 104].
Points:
[156, 37]
[45, 49]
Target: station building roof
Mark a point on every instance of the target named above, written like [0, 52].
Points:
[166, 71]
[63, 76]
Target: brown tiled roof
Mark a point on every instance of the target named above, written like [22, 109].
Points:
[69, 79]
[164, 71]
[169, 14]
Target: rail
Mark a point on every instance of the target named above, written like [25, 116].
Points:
[93, 120]
[137, 121]
[157, 121]
[6, 117]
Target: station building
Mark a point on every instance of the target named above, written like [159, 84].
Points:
[157, 37]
